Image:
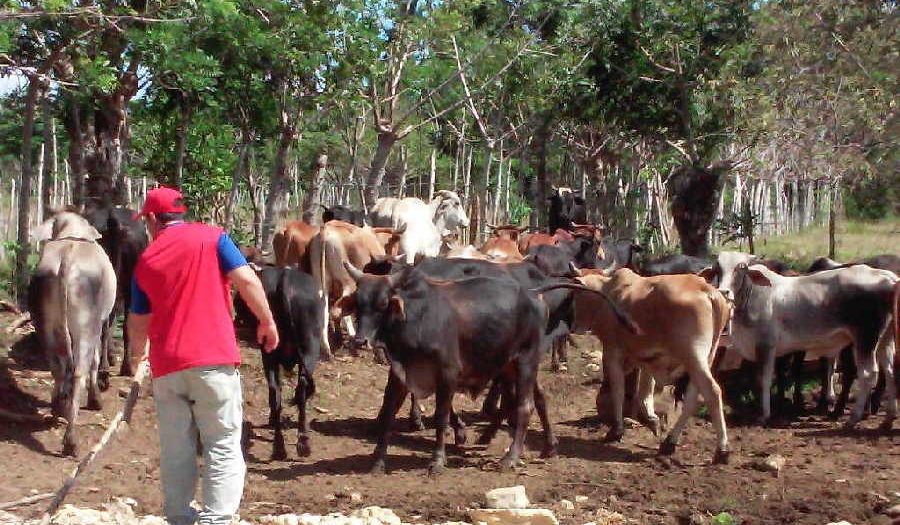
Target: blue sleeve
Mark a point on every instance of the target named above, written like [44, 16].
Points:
[230, 257]
[140, 303]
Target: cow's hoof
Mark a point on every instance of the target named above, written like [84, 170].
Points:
[103, 380]
[278, 452]
[721, 457]
[762, 421]
[303, 448]
[614, 434]
[655, 427]
[887, 424]
[850, 425]
[377, 467]
[485, 438]
[563, 367]
[70, 448]
[415, 425]
[125, 370]
[834, 415]
[459, 437]
[549, 451]
[508, 464]
[667, 447]
[94, 404]
[436, 468]
[326, 356]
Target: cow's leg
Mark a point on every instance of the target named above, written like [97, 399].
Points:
[559, 358]
[273, 381]
[826, 395]
[94, 401]
[615, 374]
[540, 404]
[106, 357]
[765, 356]
[394, 394]
[444, 398]
[507, 407]
[797, 373]
[489, 406]
[646, 408]
[886, 351]
[712, 395]
[351, 334]
[415, 414]
[305, 386]
[863, 350]
[524, 403]
[125, 370]
[667, 447]
[848, 375]
[459, 428]
[70, 443]
[58, 371]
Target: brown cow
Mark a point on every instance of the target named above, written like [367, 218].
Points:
[389, 239]
[538, 239]
[504, 245]
[292, 243]
[337, 243]
[682, 318]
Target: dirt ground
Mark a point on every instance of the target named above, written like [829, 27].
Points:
[830, 475]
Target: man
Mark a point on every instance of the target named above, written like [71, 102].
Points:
[181, 306]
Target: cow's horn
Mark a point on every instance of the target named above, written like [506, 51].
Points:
[353, 271]
[574, 269]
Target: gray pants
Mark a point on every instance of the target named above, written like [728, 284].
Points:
[204, 401]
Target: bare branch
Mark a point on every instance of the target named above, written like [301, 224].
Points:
[462, 79]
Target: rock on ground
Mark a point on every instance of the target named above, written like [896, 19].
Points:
[512, 517]
[507, 498]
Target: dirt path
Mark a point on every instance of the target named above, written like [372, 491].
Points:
[829, 476]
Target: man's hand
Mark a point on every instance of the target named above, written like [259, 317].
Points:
[138, 343]
[267, 336]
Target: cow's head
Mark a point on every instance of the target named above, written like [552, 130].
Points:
[375, 305]
[566, 207]
[448, 210]
[66, 225]
[730, 274]
[509, 231]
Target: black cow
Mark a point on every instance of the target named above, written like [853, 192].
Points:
[447, 336]
[619, 253]
[566, 210]
[675, 264]
[297, 305]
[123, 238]
[339, 212]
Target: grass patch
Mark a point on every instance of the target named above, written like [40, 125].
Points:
[855, 240]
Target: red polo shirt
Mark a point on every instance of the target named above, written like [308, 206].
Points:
[190, 297]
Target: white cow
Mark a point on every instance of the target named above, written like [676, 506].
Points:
[423, 225]
[820, 314]
[70, 297]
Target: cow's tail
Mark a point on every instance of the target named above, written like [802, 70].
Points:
[621, 314]
[721, 315]
[316, 251]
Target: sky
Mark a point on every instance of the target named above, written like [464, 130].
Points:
[10, 83]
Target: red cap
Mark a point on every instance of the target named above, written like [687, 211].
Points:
[162, 200]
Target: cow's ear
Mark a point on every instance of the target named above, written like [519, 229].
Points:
[346, 304]
[92, 234]
[397, 307]
[44, 231]
[758, 278]
[709, 274]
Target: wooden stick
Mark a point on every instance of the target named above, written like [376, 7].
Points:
[26, 501]
[10, 307]
[119, 422]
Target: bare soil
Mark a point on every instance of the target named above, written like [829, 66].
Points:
[830, 475]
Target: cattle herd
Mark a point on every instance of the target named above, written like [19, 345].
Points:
[450, 319]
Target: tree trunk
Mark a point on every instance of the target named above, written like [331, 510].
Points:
[432, 173]
[832, 226]
[24, 248]
[181, 132]
[277, 187]
[539, 213]
[386, 140]
[75, 130]
[694, 194]
[313, 196]
[48, 166]
[236, 177]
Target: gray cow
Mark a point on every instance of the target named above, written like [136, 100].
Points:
[71, 296]
[820, 313]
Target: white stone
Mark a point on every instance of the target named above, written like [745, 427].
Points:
[513, 517]
[608, 517]
[893, 512]
[377, 516]
[581, 499]
[842, 522]
[592, 368]
[773, 463]
[308, 519]
[566, 504]
[507, 498]
[281, 519]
